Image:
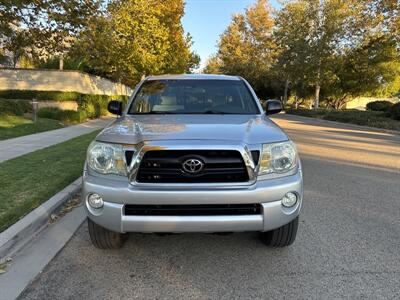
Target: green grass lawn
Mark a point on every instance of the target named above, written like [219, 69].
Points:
[14, 126]
[365, 118]
[29, 180]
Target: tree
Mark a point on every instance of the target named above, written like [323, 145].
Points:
[291, 35]
[370, 65]
[213, 65]
[339, 48]
[44, 27]
[136, 38]
[310, 33]
[373, 68]
[247, 47]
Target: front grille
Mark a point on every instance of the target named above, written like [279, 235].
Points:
[192, 210]
[166, 166]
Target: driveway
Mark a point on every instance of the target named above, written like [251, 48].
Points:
[348, 245]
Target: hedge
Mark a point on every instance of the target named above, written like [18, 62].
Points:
[395, 111]
[15, 107]
[39, 95]
[52, 95]
[377, 119]
[68, 116]
[380, 105]
[94, 106]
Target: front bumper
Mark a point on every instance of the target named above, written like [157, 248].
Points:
[268, 193]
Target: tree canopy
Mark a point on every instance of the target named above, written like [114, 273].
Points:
[136, 38]
[325, 50]
[331, 49]
[119, 39]
[43, 27]
[247, 47]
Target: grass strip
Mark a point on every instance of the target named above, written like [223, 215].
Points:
[29, 180]
[15, 126]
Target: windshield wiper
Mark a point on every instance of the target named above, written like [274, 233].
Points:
[217, 112]
[208, 112]
[155, 112]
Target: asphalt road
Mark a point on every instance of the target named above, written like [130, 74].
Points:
[348, 245]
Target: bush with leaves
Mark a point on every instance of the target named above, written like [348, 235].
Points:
[380, 105]
[39, 95]
[68, 116]
[15, 107]
[395, 111]
[96, 105]
[93, 105]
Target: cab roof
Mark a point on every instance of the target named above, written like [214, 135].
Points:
[194, 77]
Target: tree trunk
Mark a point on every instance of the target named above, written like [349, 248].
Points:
[285, 92]
[317, 85]
[14, 60]
[61, 65]
[316, 99]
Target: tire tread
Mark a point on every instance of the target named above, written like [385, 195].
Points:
[282, 236]
[103, 238]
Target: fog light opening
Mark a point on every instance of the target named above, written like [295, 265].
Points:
[289, 200]
[95, 201]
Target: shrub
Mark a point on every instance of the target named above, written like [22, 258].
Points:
[380, 105]
[68, 116]
[90, 110]
[96, 105]
[39, 95]
[93, 104]
[15, 107]
[55, 95]
[395, 111]
[377, 119]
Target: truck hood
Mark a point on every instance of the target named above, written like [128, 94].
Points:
[250, 129]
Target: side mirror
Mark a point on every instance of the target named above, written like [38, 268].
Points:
[273, 107]
[115, 107]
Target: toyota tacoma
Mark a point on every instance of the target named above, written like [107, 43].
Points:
[192, 153]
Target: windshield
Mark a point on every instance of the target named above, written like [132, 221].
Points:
[193, 97]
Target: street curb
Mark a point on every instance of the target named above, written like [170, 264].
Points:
[19, 234]
[30, 261]
[361, 127]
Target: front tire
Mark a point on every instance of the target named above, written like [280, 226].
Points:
[103, 238]
[281, 237]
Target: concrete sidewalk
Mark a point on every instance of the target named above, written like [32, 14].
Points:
[15, 147]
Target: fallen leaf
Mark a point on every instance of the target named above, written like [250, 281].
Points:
[3, 267]
[53, 217]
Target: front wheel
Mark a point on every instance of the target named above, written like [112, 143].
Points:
[282, 236]
[103, 238]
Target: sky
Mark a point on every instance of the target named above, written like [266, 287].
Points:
[206, 20]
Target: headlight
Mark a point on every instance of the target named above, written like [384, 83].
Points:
[278, 158]
[106, 158]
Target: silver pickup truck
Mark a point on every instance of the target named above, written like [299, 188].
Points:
[192, 153]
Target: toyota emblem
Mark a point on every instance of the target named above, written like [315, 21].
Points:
[192, 165]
